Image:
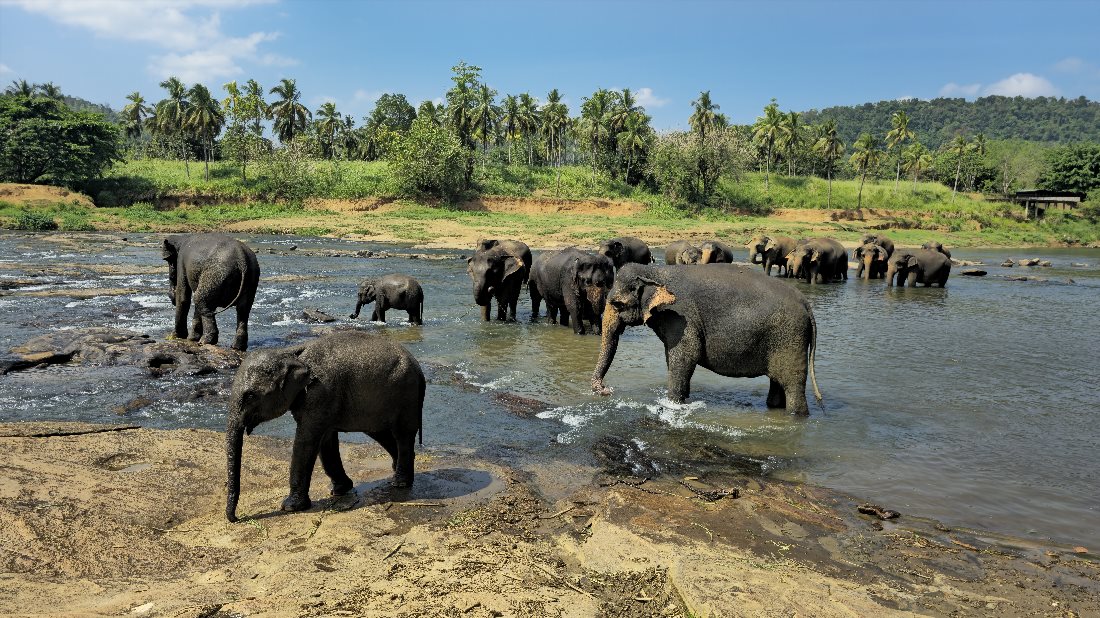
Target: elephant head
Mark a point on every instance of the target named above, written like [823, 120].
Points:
[872, 256]
[170, 253]
[368, 293]
[488, 269]
[758, 246]
[613, 249]
[593, 278]
[712, 253]
[933, 245]
[636, 296]
[265, 387]
[904, 265]
[484, 244]
[691, 255]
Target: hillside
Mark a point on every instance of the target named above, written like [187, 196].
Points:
[1041, 119]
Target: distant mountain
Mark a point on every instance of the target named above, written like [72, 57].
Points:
[81, 105]
[1041, 119]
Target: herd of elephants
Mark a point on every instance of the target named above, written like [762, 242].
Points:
[707, 311]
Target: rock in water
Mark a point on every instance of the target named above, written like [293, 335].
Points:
[1029, 262]
[974, 272]
[1008, 263]
[316, 315]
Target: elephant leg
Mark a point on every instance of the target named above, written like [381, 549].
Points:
[512, 307]
[911, 280]
[563, 317]
[575, 309]
[386, 440]
[196, 323]
[334, 468]
[536, 300]
[795, 392]
[681, 360]
[485, 310]
[302, 459]
[406, 455]
[551, 313]
[777, 398]
[502, 309]
[183, 307]
[240, 339]
[209, 323]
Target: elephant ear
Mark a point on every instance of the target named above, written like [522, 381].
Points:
[911, 261]
[296, 377]
[815, 256]
[512, 265]
[169, 250]
[656, 298]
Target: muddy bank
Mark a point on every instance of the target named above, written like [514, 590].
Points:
[130, 521]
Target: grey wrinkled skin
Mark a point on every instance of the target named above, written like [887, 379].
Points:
[736, 323]
[391, 291]
[345, 381]
[574, 283]
[626, 250]
[820, 259]
[915, 266]
[877, 258]
[933, 245]
[714, 252]
[211, 271]
[498, 269]
[682, 252]
[771, 251]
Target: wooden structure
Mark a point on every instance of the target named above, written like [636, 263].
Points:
[1037, 201]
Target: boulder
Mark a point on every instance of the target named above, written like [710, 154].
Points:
[1029, 262]
[974, 272]
[317, 316]
[1008, 263]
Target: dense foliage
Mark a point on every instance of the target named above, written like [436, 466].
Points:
[42, 139]
[1072, 168]
[430, 160]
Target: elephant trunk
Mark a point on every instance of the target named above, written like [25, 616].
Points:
[890, 272]
[483, 293]
[358, 306]
[234, 443]
[868, 263]
[612, 327]
[753, 254]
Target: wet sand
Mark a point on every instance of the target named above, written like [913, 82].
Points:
[116, 520]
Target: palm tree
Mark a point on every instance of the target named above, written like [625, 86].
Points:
[291, 117]
[555, 122]
[595, 122]
[704, 116]
[431, 111]
[20, 87]
[254, 92]
[768, 128]
[510, 121]
[328, 121]
[206, 118]
[135, 115]
[485, 116]
[959, 147]
[530, 122]
[171, 115]
[624, 105]
[633, 138]
[896, 137]
[917, 160]
[49, 90]
[349, 138]
[790, 138]
[865, 156]
[831, 148]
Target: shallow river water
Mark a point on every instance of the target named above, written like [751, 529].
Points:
[976, 404]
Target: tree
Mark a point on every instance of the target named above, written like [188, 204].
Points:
[20, 87]
[170, 116]
[348, 138]
[328, 122]
[896, 137]
[431, 112]
[674, 162]
[393, 112]
[257, 108]
[244, 109]
[530, 122]
[42, 139]
[135, 115]
[917, 161]
[790, 138]
[959, 147]
[595, 126]
[49, 90]
[428, 159]
[704, 116]
[865, 156]
[206, 119]
[555, 121]
[510, 121]
[290, 116]
[460, 107]
[1075, 167]
[831, 148]
[634, 138]
[766, 130]
[485, 116]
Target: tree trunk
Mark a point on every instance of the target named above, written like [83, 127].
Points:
[897, 179]
[956, 186]
[830, 186]
[768, 170]
[862, 178]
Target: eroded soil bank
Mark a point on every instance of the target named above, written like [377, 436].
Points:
[110, 520]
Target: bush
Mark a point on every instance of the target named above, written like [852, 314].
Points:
[76, 222]
[428, 160]
[34, 221]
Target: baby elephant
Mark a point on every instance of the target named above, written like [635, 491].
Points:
[391, 292]
[345, 381]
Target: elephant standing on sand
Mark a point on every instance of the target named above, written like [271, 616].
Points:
[735, 323]
[915, 266]
[499, 271]
[682, 252]
[714, 252]
[772, 251]
[626, 250]
[391, 292]
[346, 381]
[933, 245]
[573, 282]
[211, 270]
[822, 258]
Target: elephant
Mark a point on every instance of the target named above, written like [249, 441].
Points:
[626, 250]
[933, 245]
[820, 257]
[499, 271]
[573, 282]
[391, 291]
[714, 252]
[915, 266]
[788, 259]
[879, 240]
[682, 252]
[771, 252]
[343, 381]
[212, 270]
[873, 261]
[735, 323]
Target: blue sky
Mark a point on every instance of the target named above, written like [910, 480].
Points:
[805, 54]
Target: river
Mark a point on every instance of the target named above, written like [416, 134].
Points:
[975, 404]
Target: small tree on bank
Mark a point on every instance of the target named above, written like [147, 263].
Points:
[429, 160]
[865, 157]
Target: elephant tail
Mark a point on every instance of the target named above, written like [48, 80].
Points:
[813, 351]
[242, 264]
[423, 387]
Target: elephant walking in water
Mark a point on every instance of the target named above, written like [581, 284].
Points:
[626, 250]
[392, 291]
[737, 324]
[573, 282]
[915, 266]
[772, 251]
[822, 258]
[873, 252]
[498, 269]
[211, 270]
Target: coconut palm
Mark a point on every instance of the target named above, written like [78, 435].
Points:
[767, 130]
[170, 115]
[254, 94]
[135, 115]
[206, 118]
[625, 104]
[633, 139]
[555, 117]
[530, 122]
[595, 123]
[431, 111]
[510, 121]
[485, 116]
[831, 148]
[20, 87]
[348, 138]
[790, 138]
[328, 122]
[865, 156]
[959, 147]
[705, 115]
[290, 116]
[896, 137]
[917, 160]
[49, 90]
[979, 148]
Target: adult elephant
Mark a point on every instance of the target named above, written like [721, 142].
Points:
[771, 251]
[626, 250]
[345, 381]
[820, 258]
[936, 246]
[735, 323]
[499, 271]
[393, 291]
[212, 271]
[574, 283]
[880, 240]
[682, 252]
[873, 261]
[714, 252]
[915, 266]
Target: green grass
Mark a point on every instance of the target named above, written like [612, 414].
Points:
[62, 216]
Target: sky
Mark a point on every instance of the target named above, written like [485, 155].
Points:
[806, 55]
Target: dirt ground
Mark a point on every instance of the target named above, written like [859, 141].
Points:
[117, 520]
[41, 195]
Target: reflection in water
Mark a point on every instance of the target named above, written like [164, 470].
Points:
[972, 403]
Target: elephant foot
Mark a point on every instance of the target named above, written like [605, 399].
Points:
[240, 346]
[599, 388]
[296, 503]
[193, 337]
[401, 481]
[341, 489]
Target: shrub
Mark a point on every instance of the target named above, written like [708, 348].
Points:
[76, 222]
[34, 221]
[428, 160]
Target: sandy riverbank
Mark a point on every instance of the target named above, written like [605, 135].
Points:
[130, 522]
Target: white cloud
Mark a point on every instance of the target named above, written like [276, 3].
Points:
[5, 69]
[1072, 64]
[1023, 85]
[952, 89]
[189, 31]
[366, 96]
[646, 98]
